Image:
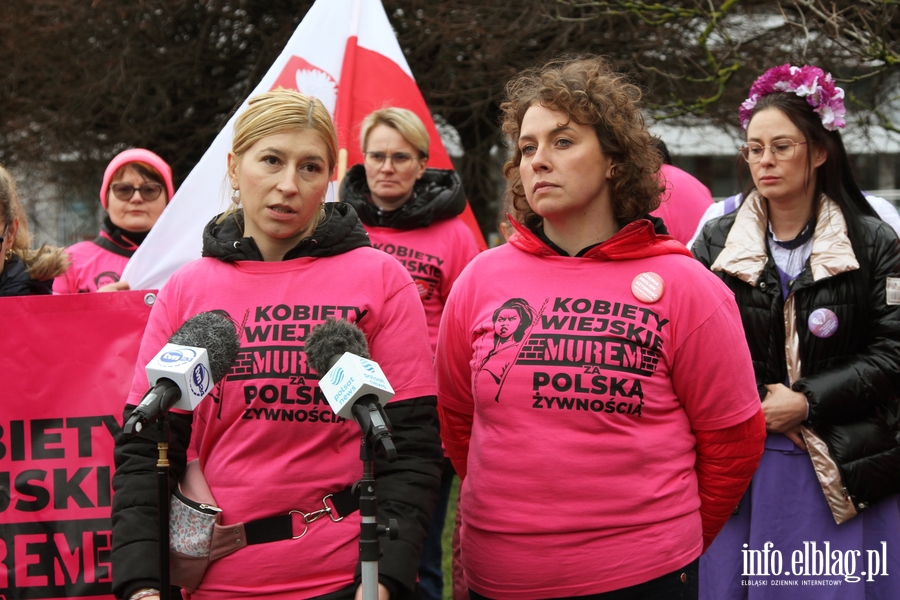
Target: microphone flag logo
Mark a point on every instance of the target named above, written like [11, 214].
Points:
[176, 358]
[200, 381]
[337, 376]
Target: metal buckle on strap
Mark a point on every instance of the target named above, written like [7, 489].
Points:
[331, 510]
[315, 516]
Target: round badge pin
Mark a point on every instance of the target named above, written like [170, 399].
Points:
[822, 323]
[648, 287]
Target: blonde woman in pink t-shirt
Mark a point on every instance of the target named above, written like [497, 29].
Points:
[277, 264]
[411, 211]
[620, 424]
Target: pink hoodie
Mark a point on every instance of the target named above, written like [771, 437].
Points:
[683, 203]
[583, 380]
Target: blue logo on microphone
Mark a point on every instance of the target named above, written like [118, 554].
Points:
[176, 358]
[200, 380]
[367, 366]
[337, 376]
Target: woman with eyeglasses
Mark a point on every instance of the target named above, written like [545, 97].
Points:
[137, 187]
[23, 271]
[816, 275]
[410, 211]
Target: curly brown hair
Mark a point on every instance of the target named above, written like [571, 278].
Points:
[591, 93]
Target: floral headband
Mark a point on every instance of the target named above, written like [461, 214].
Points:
[808, 82]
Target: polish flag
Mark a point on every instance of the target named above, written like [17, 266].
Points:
[344, 53]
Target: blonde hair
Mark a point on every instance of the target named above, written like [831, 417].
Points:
[406, 122]
[278, 111]
[44, 263]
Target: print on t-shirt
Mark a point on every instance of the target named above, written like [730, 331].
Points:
[512, 321]
[276, 382]
[572, 354]
[425, 269]
[105, 278]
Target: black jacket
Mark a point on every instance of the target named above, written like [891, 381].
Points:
[851, 379]
[406, 489]
[437, 196]
[15, 280]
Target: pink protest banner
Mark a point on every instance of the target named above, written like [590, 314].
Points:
[67, 366]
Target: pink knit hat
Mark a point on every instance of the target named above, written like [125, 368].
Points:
[136, 155]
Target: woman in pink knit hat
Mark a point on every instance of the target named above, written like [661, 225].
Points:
[137, 186]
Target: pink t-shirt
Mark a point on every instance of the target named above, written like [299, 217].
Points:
[267, 441]
[92, 267]
[683, 203]
[434, 256]
[585, 391]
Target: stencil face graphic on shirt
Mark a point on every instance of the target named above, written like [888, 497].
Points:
[278, 384]
[579, 353]
[106, 278]
[424, 268]
[511, 323]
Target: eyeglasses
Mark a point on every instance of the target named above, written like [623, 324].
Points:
[781, 150]
[3, 237]
[400, 160]
[148, 191]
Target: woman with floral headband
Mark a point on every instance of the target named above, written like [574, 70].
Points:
[816, 275]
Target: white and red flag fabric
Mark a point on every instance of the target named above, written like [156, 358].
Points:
[344, 53]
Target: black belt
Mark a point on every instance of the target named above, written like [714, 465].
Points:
[281, 527]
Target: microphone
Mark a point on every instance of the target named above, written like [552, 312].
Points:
[196, 357]
[352, 384]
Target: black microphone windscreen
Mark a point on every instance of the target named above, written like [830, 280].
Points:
[329, 340]
[214, 332]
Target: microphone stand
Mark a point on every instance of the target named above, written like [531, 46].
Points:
[162, 480]
[132, 428]
[376, 430]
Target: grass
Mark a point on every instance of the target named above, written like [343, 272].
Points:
[446, 539]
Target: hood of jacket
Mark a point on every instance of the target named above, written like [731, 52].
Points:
[638, 239]
[437, 196]
[340, 231]
[745, 253]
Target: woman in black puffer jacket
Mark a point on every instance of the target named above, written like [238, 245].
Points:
[816, 276]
